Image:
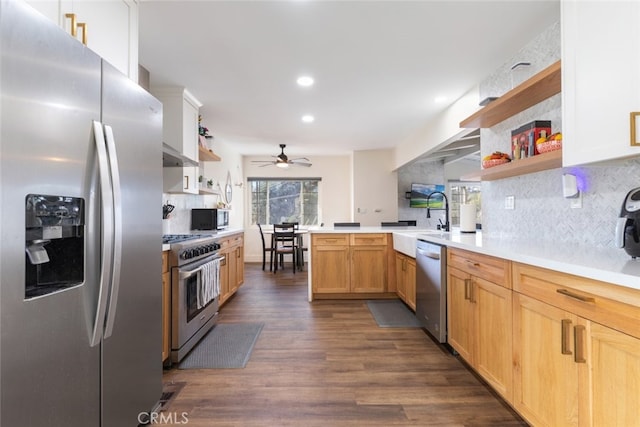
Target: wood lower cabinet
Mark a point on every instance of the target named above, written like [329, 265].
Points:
[232, 267]
[577, 350]
[614, 369]
[406, 279]
[166, 307]
[479, 324]
[546, 376]
[330, 261]
[368, 261]
[349, 264]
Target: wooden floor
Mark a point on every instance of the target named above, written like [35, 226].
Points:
[327, 363]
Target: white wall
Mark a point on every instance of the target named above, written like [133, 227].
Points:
[335, 198]
[375, 187]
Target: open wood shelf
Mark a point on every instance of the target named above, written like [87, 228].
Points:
[207, 155]
[543, 85]
[541, 162]
[208, 191]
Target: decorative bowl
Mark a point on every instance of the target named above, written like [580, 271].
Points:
[493, 162]
[553, 145]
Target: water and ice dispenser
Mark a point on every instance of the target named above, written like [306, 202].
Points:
[54, 243]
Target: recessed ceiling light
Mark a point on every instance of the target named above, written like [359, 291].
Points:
[308, 118]
[305, 81]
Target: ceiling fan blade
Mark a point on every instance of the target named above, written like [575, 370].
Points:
[299, 158]
[300, 164]
[267, 164]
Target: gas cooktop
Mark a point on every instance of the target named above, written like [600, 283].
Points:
[175, 238]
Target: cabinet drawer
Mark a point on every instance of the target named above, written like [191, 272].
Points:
[165, 261]
[493, 269]
[371, 239]
[231, 241]
[611, 305]
[329, 239]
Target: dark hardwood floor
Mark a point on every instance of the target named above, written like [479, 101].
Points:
[327, 363]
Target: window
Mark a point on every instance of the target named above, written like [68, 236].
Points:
[278, 200]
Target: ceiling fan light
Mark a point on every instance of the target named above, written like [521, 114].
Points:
[282, 165]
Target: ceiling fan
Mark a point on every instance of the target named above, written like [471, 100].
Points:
[282, 161]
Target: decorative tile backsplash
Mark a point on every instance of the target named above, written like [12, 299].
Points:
[542, 214]
[419, 173]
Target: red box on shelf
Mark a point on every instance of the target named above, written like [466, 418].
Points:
[523, 139]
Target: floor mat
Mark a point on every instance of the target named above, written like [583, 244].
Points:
[392, 314]
[227, 345]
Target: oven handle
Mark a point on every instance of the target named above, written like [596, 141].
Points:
[184, 273]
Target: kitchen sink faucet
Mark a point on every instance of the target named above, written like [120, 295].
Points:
[446, 225]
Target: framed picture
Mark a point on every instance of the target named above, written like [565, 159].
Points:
[420, 193]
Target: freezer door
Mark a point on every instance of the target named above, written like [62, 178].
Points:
[49, 96]
[132, 350]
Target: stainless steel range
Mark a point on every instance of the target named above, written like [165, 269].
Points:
[195, 289]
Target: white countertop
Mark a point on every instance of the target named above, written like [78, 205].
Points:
[610, 265]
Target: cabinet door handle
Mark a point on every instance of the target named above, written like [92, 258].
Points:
[634, 124]
[186, 182]
[83, 26]
[473, 264]
[566, 336]
[579, 335]
[74, 27]
[573, 295]
[467, 289]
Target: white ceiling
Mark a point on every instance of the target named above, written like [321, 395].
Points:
[378, 65]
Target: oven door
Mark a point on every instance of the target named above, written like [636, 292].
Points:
[190, 318]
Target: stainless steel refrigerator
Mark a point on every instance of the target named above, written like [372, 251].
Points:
[80, 233]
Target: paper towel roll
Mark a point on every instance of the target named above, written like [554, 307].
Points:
[468, 218]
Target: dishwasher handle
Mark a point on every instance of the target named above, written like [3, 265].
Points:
[432, 255]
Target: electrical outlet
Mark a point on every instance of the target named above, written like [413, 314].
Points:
[510, 202]
[576, 202]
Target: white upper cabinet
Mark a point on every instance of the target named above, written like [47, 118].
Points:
[600, 80]
[109, 27]
[180, 131]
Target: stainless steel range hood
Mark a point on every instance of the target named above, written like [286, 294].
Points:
[465, 145]
[172, 157]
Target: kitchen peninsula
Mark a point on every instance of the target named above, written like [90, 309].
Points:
[551, 332]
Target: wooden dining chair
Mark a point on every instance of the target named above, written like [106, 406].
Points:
[300, 243]
[266, 248]
[284, 243]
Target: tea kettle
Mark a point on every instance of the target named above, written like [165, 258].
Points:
[628, 225]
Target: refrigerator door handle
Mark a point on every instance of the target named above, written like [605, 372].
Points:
[106, 238]
[117, 226]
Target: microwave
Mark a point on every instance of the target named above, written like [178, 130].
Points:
[209, 219]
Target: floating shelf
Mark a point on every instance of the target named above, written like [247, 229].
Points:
[541, 162]
[541, 86]
[207, 155]
[208, 191]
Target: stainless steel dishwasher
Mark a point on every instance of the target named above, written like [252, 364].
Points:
[431, 288]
